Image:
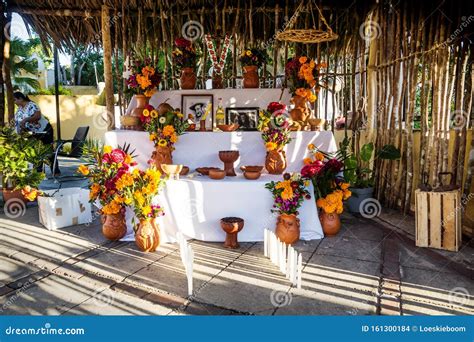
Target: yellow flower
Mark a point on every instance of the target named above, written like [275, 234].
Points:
[162, 143]
[149, 92]
[174, 138]
[107, 149]
[124, 181]
[271, 146]
[146, 210]
[168, 130]
[307, 161]
[128, 200]
[249, 53]
[138, 196]
[84, 170]
[311, 147]
[143, 81]
[146, 113]
[154, 114]
[303, 59]
[29, 193]
[152, 136]
[344, 186]
[180, 115]
[128, 159]
[319, 156]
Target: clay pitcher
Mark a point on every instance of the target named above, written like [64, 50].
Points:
[147, 236]
[113, 226]
[288, 228]
[161, 155]
[142, 102]
[217, 82]
[251, 76]
[331, 223]
[275, 162]
[188, 78]
[301, 110]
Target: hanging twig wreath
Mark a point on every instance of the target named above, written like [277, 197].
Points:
[218, 65]
[307, 36]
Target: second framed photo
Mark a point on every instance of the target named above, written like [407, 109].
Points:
[246, 117]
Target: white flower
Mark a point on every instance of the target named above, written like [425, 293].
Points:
[162, 120]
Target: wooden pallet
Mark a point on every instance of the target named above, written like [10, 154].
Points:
[438, 219]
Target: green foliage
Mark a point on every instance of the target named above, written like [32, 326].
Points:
[21, 63]
[52, 91]
[357, 169]
[20, 155]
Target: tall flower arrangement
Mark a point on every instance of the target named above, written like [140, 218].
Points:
[274, 125]
[254, 56]
[288, 194]
[144, 77]
[184, 54]
[302, 74]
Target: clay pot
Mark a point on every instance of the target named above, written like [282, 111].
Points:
[228, 128]
[217, 81]
[142, 102]
[114, 226]
[232, 226]
[275, 162]
[205, 170]
[317, 124]
[184, 171]
[288, 228]
[251, 76]
[188, 78]
[331, 223]
[300, 112]
[252, 175]
[161, 155]
[217, 174]
[147, 236]
[251, 168]
[229, 158]
[14, 195]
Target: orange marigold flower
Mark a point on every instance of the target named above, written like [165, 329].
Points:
[168, 130]
[303, 59]
[307, 161]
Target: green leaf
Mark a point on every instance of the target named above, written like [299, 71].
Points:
[389, 152]
[366, 152]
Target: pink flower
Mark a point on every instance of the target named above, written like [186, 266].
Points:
[311, 170]
[117, 155]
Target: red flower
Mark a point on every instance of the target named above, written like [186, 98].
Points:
[334, 165]
[276, 106]
[311, 170]
[149, 107]
[117, 155]
[182, 42]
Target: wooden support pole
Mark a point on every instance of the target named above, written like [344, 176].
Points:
[2, 41]
[6, 68]
[109, 86]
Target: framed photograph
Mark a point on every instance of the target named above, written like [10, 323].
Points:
[246, 117]
[198, 105]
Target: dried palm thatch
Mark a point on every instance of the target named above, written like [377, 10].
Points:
[307, 36]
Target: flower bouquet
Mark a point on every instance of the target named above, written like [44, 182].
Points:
[331, 189]
[251, 61]
[274, 125]
[288, 196]
[141, 192]
[109, 171]
[185, 58]
[144, 78]
[164, 131]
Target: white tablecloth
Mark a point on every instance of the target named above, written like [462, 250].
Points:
[200, 149]
[195, 207]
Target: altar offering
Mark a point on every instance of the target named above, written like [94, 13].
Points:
[229, 158]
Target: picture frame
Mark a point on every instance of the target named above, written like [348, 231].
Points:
[246, 117]
[196, 105]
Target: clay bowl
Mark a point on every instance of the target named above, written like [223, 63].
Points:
[172, 169]
[216, 174]
[184, 171]
[228, 156]
[228, 128]
[192, 127]
[252, 175]
[205, 170]
[232, 225]
[251, 168]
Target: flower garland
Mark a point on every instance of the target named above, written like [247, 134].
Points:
[211, 47]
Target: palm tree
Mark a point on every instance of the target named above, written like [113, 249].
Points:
[22, 65]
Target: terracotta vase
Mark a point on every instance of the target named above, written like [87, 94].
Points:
[15, 195]
[188, 78]
[114, 226]
[161, 155]
[231, 226]
[147, 236]
[275, 162]
[288, 228]
[251, 76]
[217, 82]
[142, 102]
[331, 223]
[229, 158]
[301, 110]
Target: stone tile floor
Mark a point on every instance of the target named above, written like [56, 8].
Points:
[371, 268]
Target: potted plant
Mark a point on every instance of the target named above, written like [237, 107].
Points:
[360, 175]
[143, 81]
[251, 61]
[109, 170]
[288, 196]
[331, 189]
[21, 158]
[274, 125]
[185, 58]
[164, 128]
[141, 194]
